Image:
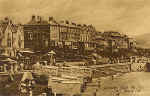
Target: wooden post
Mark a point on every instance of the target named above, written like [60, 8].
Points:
[57, 71]
[5, 69]
[130, 69]
[55, 94]
[99, 83]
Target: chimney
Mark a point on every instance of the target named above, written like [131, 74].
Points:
[10, 21]
[84, 25]
[33, 18]
[79, 25]
[67, 22]
[6, 20]
[39, 19]
[51, 18]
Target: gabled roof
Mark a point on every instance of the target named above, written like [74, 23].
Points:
[13, 27]
[3, 26]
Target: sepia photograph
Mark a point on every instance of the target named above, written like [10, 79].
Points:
[74, 48]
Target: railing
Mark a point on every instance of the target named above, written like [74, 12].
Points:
[53, 70]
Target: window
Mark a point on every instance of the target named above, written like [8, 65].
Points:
[9, 36]
[9, 43]
[30, 34]
[44, 36]
[19, 42]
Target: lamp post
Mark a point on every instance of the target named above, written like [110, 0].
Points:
[26, 85]
[52, 58]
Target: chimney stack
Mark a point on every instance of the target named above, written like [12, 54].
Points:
[39, 19]
[10, 21]
[6, 20]
[79, 25]
[84, 25]
[33, 18]
[51, 18]
[67, 22]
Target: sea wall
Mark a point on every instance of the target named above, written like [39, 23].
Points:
[94, 71]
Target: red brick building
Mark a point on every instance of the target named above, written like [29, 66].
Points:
[36, 34]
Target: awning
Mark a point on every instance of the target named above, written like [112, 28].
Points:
[51, 52]
[20, 54]
[95, 54]
[4, 54]
[9, 60]
[25, 51]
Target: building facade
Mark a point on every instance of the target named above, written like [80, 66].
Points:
[114, 43]
[11, 38]
[116, 40]
[63, 34]
[3, 26]
[36, 34]
[69, 35]
[87, 36]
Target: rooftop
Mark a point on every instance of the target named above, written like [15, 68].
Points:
[37, 20]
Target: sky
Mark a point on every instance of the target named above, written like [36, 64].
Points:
[131, 17]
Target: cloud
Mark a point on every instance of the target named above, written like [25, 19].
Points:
[128, 16]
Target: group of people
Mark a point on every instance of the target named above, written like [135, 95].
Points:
[13, 68]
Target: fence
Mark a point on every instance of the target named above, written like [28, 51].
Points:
[71, 71]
